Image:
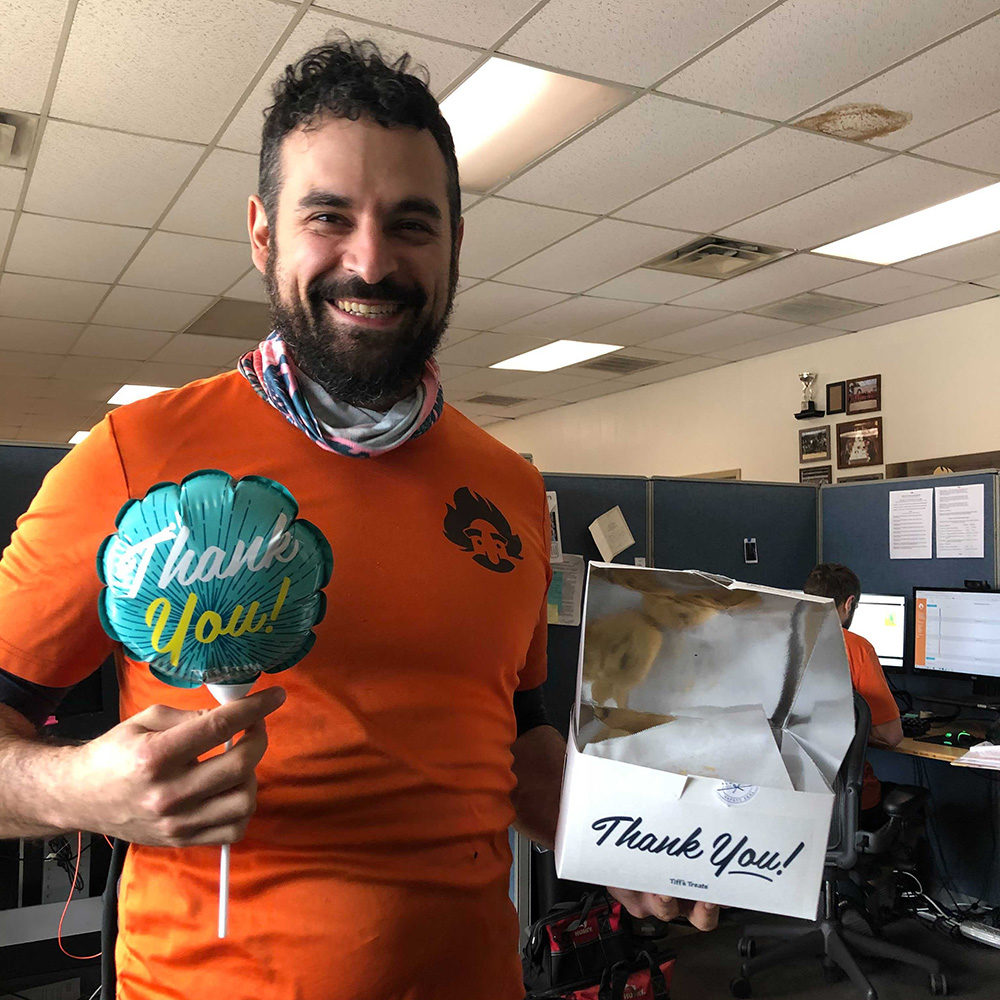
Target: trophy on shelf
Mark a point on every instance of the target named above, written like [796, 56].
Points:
[808, 409]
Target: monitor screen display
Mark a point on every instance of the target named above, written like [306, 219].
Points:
[957, 631]
[881, 619]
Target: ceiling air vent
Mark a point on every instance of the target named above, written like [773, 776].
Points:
[714, 257]
[488, 399]
[618, 364]
[811, 307]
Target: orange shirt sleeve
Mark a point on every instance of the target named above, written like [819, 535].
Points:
[535, 668]
[869, 680]
[49, 629]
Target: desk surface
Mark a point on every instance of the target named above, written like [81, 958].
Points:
[935, 751]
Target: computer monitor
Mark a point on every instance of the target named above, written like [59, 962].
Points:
[957, 632]
[881, 619]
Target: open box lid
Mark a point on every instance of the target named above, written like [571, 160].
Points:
[671, 642]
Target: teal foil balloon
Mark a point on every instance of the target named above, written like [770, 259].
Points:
[214, 581]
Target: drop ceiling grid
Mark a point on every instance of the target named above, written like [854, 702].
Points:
[190, 198]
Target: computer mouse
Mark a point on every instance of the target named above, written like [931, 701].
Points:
[964, 739]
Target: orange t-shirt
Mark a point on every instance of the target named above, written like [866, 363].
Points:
[869, 681]
[376, 865]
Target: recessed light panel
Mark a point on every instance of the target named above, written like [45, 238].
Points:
[957, 221]
[131, 393]
[508, 114]
[556, 355]
[78, 437]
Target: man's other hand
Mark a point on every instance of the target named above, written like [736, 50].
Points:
[143, 780]
[704, 916]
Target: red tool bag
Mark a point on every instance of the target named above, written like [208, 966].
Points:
[588, 951]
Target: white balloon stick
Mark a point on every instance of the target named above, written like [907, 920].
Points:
[224, 694]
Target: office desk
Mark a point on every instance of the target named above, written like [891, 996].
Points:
[933, 751]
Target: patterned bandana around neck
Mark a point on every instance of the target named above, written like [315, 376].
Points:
[340, 427]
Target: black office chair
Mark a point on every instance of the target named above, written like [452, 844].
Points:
[828, 937]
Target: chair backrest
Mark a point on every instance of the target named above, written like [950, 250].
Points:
[841, 849]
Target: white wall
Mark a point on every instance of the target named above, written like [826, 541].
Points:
[940, 396]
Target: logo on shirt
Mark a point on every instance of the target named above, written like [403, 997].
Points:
[476, 525]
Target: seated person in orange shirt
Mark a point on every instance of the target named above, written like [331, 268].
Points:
[840, 583]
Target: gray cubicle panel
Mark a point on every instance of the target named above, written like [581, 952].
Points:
[701, 524]
[22, 469]
[582, 499]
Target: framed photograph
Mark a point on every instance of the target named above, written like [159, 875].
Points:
[864, 395]
[814, 444]
[860, 479]
[859, 443]
[816, 475]
[835, 392]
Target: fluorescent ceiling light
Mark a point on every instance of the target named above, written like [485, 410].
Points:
[78, 437]
[957, 221]
[130, 393]
[508, 114]
[557, 355]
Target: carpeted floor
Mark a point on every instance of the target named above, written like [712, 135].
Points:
[707, 962]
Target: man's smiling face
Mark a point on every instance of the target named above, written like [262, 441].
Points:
[359, 263]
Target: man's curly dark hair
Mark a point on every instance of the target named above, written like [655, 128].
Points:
[351, 79]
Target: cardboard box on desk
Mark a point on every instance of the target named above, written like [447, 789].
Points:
[711, 719]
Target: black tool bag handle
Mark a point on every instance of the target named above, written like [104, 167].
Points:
[615, 978]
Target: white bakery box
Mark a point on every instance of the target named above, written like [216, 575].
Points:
[711, 719]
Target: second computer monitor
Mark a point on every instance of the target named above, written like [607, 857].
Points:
[881, 619]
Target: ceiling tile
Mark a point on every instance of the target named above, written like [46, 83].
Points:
[648, 325]
[973, 146]
[28, 42]
[171, 68]
[947, 298]
[878, 194]
[11, 181]
[778, 280]
[779, 342]
[625, 41]
[193, 348]
[6, 220]
[991, 281]
[710, 338]
[187, 264]
[214, 203]
[453, 371]
[593, 255]
[163, 373]
[567, 319]
[689, 366]
[48, 298]
[249, 288]
[946, 86]
[102, 176]
[23, 364]
[546, 385]
[664, 138]
[476, 22]
[783, 164]
[115, 342]
[885, 285]
[794, 57]
[479, 380]
[148, 309]
[499, 233]
[65, 248]
[490, 304]
[594, 389]
[234, 318]
[454, 335]
[44, 336]
[965, 262]
[646, 284]
[489, 348]
[107, 369]
[98, 390]
[445, 63]
[511, 412]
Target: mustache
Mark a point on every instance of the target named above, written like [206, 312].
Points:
[325, 288]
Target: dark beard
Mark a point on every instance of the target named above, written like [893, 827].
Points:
[375, 370]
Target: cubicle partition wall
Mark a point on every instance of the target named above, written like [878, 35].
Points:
[702, 524]
[855, 531]
[581, 500]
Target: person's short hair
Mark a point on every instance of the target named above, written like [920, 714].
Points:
[833, 580]
[351, 79]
